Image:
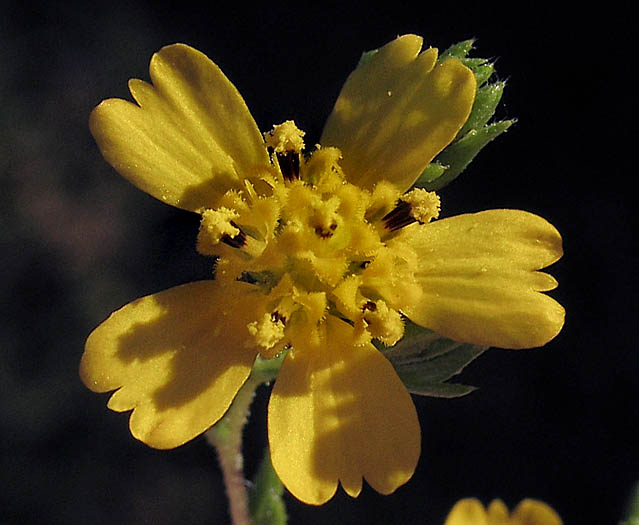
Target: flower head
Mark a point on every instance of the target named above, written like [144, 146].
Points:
[470, 511]
[319, 255]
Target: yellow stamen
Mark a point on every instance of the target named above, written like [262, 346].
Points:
[215, 226]
[424, 205]
[417, 205]
[383, 322]
[285, 137]
[267, 331]
[287, 143]
[219, 227]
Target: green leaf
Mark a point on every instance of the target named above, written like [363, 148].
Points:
[266, 505]
[486, 102]
[482, 73]
[445, 390]
[459, 154]
[476, 132]
[424, 361]
[432, 172]
[459, 50]
[473, 63]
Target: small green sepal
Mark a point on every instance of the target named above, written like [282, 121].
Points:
[424, 361]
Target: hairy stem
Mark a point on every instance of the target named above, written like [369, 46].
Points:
[226, 437]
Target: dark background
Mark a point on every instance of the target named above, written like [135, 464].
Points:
[557, 423]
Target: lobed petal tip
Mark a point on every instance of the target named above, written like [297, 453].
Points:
[336, 416]
[480, 280]
[189, 138]
[170, 360]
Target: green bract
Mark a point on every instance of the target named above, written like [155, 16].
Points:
[424, 362]
[477, 132]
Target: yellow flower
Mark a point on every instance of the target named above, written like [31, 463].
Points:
[318, 256]
[470, 511]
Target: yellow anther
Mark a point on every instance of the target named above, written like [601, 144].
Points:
[383, 322]
[267, 332]
[220, 235]
[424, 205]
[417, 205]
[216, 225]
[285, 137]
[219, 223]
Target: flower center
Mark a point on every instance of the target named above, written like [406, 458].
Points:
[315, 245]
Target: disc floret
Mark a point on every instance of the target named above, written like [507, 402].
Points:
[315, 244]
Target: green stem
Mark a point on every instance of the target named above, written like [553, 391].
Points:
[226, 437]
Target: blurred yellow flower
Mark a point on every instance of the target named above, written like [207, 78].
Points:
[318, 256]
[470, 511]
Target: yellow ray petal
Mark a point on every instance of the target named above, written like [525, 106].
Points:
[498, 513]
[533, 512]
[397, 111]
[191, 136]
[177, 358]
[467, 511]
[478, 278]
[339, 413]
